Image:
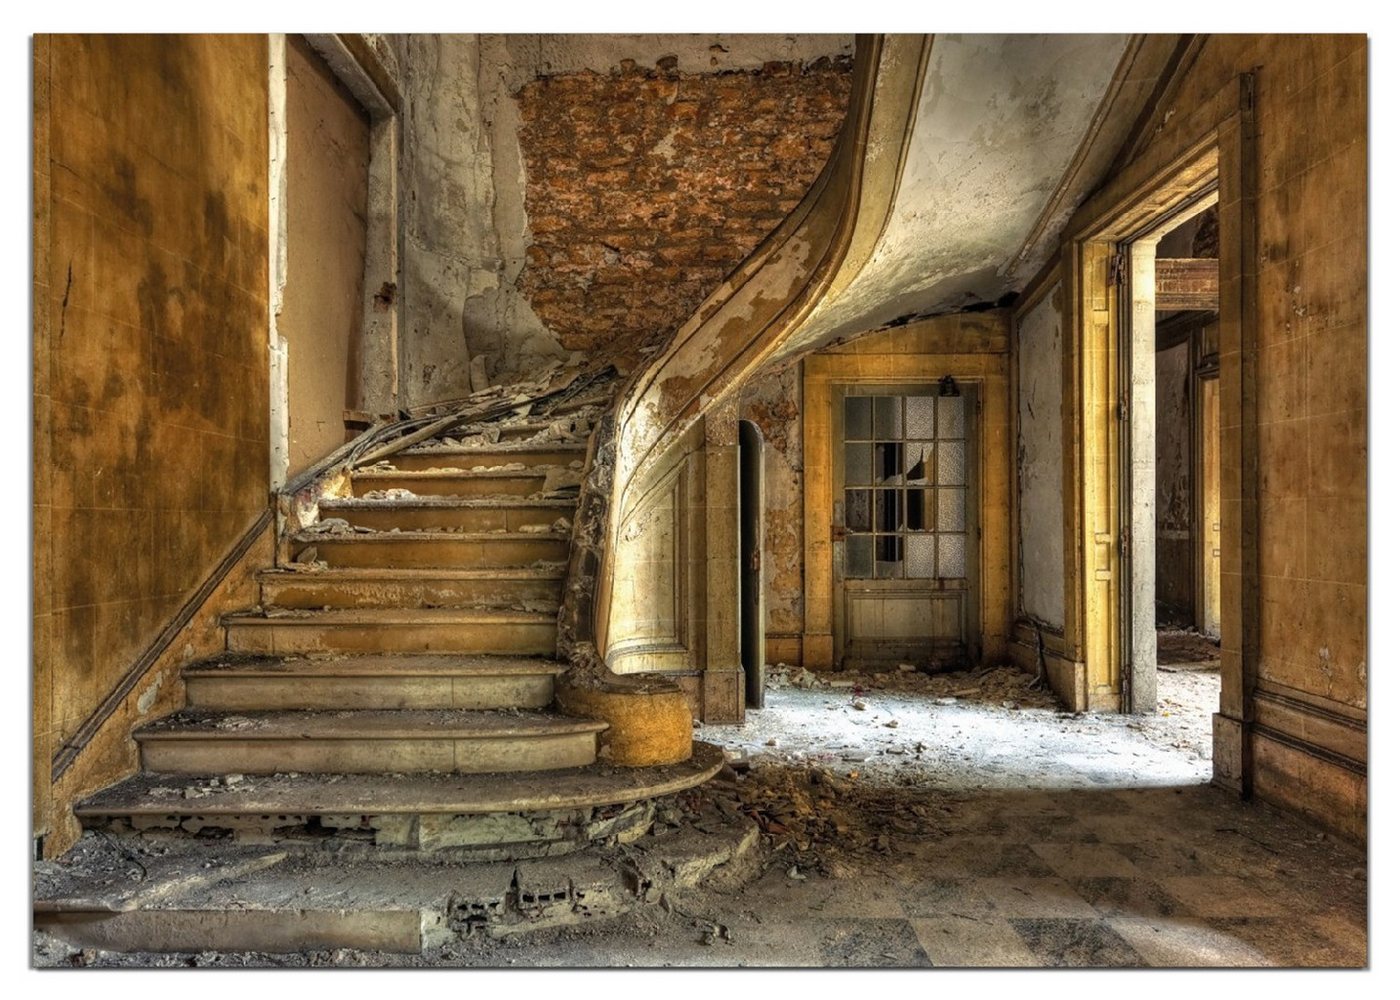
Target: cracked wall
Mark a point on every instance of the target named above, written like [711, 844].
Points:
[1040, 462]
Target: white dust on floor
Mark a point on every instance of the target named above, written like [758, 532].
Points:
[966, 743]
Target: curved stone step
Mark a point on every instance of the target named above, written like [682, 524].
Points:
[520, 483]
[159, 797]
[424, 549]
[242, 683]
[371, 587]
[418, 513]
[394, 630]
[366, 742]
[489, 456]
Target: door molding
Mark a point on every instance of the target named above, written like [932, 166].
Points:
[973, 348]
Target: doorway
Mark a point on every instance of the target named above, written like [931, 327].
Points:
[904, 550]
[1172, 480]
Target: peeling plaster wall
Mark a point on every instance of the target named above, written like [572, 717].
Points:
[1000, 119]
[466, 231]
[1174, 509]
[774, 402]
[1040, 462]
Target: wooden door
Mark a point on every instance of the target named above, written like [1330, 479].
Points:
[905, 525]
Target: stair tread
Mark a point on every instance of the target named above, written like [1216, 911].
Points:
[499, 447]
[390, 616]
[554, 571]
[447, 503]
[383, 664]
[364, 724]
[315, 537]
[594, 784]
[530, 472]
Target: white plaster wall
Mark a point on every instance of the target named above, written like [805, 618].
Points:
[1039, 462]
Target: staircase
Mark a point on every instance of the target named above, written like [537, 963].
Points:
[391, 696]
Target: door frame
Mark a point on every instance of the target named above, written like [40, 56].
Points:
[974, 349]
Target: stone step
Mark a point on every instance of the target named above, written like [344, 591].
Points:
[489, 456]
[423, 549]
[521, 483]
[366, 742]
[418, 513]
[394, 630]
[155, 795]
[234, 682]
[531, 588]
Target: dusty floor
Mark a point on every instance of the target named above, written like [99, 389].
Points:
[963, 820]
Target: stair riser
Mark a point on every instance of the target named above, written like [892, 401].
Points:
[309, 593]
[464, 485]
[461, 837]
[222, 754]
[278, 693]
[389, 552]
[483, 459]
[284, 637]
[270, 931]
[466, 518]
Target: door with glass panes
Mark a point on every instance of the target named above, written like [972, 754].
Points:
[906, 538]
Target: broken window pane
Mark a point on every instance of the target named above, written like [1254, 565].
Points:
[887, 512]
[858, 510]
[920, 516]
[888, 422]
[889, 461]
[859, 562]
[918, 463]
[857, 418]
[857, 463]
[919, 416]
[889, 556]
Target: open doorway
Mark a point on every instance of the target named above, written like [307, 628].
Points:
[1172, 479]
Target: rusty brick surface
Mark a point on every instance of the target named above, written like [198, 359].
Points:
[644, 188]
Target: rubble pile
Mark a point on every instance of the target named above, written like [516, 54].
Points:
[995, 685]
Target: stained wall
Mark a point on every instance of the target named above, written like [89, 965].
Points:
[1040, 548]
[150, 352]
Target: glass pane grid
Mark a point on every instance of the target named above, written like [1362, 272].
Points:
[899, 445]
